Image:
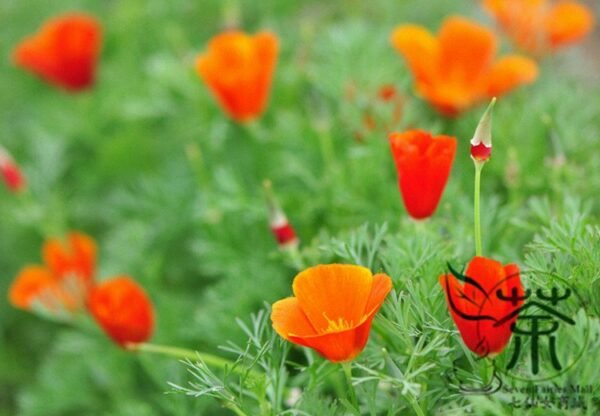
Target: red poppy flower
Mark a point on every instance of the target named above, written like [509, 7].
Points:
[63, 283]
[488, 293]
[64, 52]
[11, 173]
[123, 310]
[333, 309]
[238, 69]
[458, 69]
[542, 26]
[423, 163]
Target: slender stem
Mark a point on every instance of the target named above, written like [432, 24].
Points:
[235, 409]
[183, 353]
[477, 213]
[347, 367]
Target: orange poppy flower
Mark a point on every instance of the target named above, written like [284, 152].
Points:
[457, 69]
[541, 26]
[65, 279]
[488, 293]
[123, 310]
[423, 163]
[11, 173]
[64, 52]
[238, 69]
[333, 309]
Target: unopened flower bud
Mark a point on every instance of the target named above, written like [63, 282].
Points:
[10, 172]
[280, 227]
[481, 143]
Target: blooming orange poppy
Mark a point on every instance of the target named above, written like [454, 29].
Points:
[64, 52]
[488, 293]
[423, 163]
[238, 69]
[541, 26]
[332, 310]
[458, 69]
[11, 173]
[123, 310]
[65, 279]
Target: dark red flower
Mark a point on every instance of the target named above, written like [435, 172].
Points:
[480, 302]
[64, 52]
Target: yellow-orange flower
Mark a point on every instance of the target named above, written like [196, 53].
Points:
[458, 69]
[541, 26]
[64, 281]
[332, 310]
[238, 69]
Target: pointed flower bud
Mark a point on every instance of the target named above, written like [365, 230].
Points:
[481, 143]
[10, 172]
[280, 227]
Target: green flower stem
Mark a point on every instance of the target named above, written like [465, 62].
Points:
[477, 213]
[347, 367]
[235, 409]
[183, 353]
[487, 372]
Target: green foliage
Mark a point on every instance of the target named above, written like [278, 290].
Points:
[170, 189]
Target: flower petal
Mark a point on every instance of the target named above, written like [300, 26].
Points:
[568, 22]
[420, 49]
[509, 72]
[466, 51]
[382, 284]
[289, 319]
[339, 346]
[334, 296]
[76, 256]
[30, 283]
[123, 310]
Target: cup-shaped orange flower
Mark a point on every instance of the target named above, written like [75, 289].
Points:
[423, 163]
[238, 69]
[458, 69]
[542, 26]
[484, 303]
[64, 52]
[65, 279]
[332, 310]
[123, 310]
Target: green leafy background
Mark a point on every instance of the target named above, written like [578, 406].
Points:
[171, 190]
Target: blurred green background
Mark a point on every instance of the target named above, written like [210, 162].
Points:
[171, 189]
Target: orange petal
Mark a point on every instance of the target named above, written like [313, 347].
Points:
[77, 256]
[509, 72]
[568, 22]
[466, 51]
[123, 310]
[333, 296]
[31, 282]
[420, 49]
[382, 284]
[238, 69]
[289, 319]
